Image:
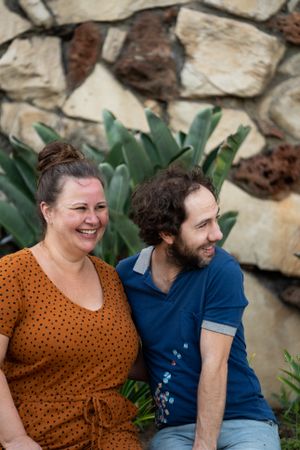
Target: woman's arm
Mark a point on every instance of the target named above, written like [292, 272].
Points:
[12, 433]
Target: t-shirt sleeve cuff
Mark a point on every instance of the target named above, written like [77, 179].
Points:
[218, 328]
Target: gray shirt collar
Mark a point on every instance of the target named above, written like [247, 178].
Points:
[143, 261]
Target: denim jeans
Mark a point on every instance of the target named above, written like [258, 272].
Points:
[234, 435]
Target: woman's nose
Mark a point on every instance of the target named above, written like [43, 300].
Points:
[92, 217]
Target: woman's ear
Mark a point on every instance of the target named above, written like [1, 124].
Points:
[167, 237]
[46, 212]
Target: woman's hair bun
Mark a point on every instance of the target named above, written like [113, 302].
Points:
[56, 153]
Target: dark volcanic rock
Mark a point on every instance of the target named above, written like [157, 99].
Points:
[270, 175]
[289, 26]
[291, 295]
[147, 63]
[83, 53]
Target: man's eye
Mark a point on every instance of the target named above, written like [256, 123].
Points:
[80, 208]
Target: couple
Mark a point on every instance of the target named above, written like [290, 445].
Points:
[67, 340]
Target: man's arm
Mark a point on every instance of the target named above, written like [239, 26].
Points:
[214, 348]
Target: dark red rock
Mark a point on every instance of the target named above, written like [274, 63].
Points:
[147, 63]
[289, 26]
[269, 175]
[291, 295]
[83, 53]
[170, 15]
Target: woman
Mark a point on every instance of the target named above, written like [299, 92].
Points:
[67, 341]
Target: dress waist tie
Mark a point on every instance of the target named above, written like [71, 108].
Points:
[105, 409]
[97, 413]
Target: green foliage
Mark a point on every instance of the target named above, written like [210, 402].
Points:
[290, 444]
[289, 399]
[18, 214]
[145, 153]
[132, 157]
[139, 393]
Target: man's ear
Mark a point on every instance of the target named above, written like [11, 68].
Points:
[167, 237]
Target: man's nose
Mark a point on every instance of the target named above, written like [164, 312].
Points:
[215, 233]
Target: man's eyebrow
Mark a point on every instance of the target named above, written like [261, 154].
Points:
[207, 218]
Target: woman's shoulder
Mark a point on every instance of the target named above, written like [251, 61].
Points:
[17, 260]
[102, 265]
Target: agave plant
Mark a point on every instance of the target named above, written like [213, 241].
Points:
[289, 399]
[18, 182]
[132, 157]
[145, 153]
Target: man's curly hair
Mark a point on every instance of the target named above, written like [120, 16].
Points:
[158, 204]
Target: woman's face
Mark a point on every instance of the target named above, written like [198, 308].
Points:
[79, 217]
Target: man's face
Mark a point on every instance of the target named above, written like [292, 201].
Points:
[195, 244]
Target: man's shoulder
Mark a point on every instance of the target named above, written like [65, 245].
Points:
[222, 257]
[126, 265]
[224, 268]
[223, 262]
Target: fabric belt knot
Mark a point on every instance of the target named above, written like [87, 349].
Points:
[98, 414]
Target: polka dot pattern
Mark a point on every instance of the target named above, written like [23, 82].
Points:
[65, 363]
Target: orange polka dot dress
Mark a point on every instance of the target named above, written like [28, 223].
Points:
[65, 364]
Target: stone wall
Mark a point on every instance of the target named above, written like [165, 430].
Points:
[63, 61]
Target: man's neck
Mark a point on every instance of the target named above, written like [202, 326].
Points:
[163, 271]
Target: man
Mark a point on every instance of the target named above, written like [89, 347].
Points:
[187, 301]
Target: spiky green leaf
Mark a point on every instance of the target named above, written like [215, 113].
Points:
[209, 159]
[185, 157]
[118, 189]
[134, 154]
[28, 175]
[226, 223]
[8, 165]
[215, 119]
[115, 155]
[23, 204]
[151, 150]
[220, 166]
[108, 247]
[162, 138]
[198, 133]
[46, 133]
[10, 220]
[127, 230]
[19, 148]
[93, 153]
[180, 138]
[109, 125]
[107, 172]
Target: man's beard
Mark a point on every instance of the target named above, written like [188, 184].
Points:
[184, 257]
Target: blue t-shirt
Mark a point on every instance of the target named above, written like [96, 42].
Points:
[170, 325]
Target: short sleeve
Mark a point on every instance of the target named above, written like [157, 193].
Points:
[225, 300]
[10, 296]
